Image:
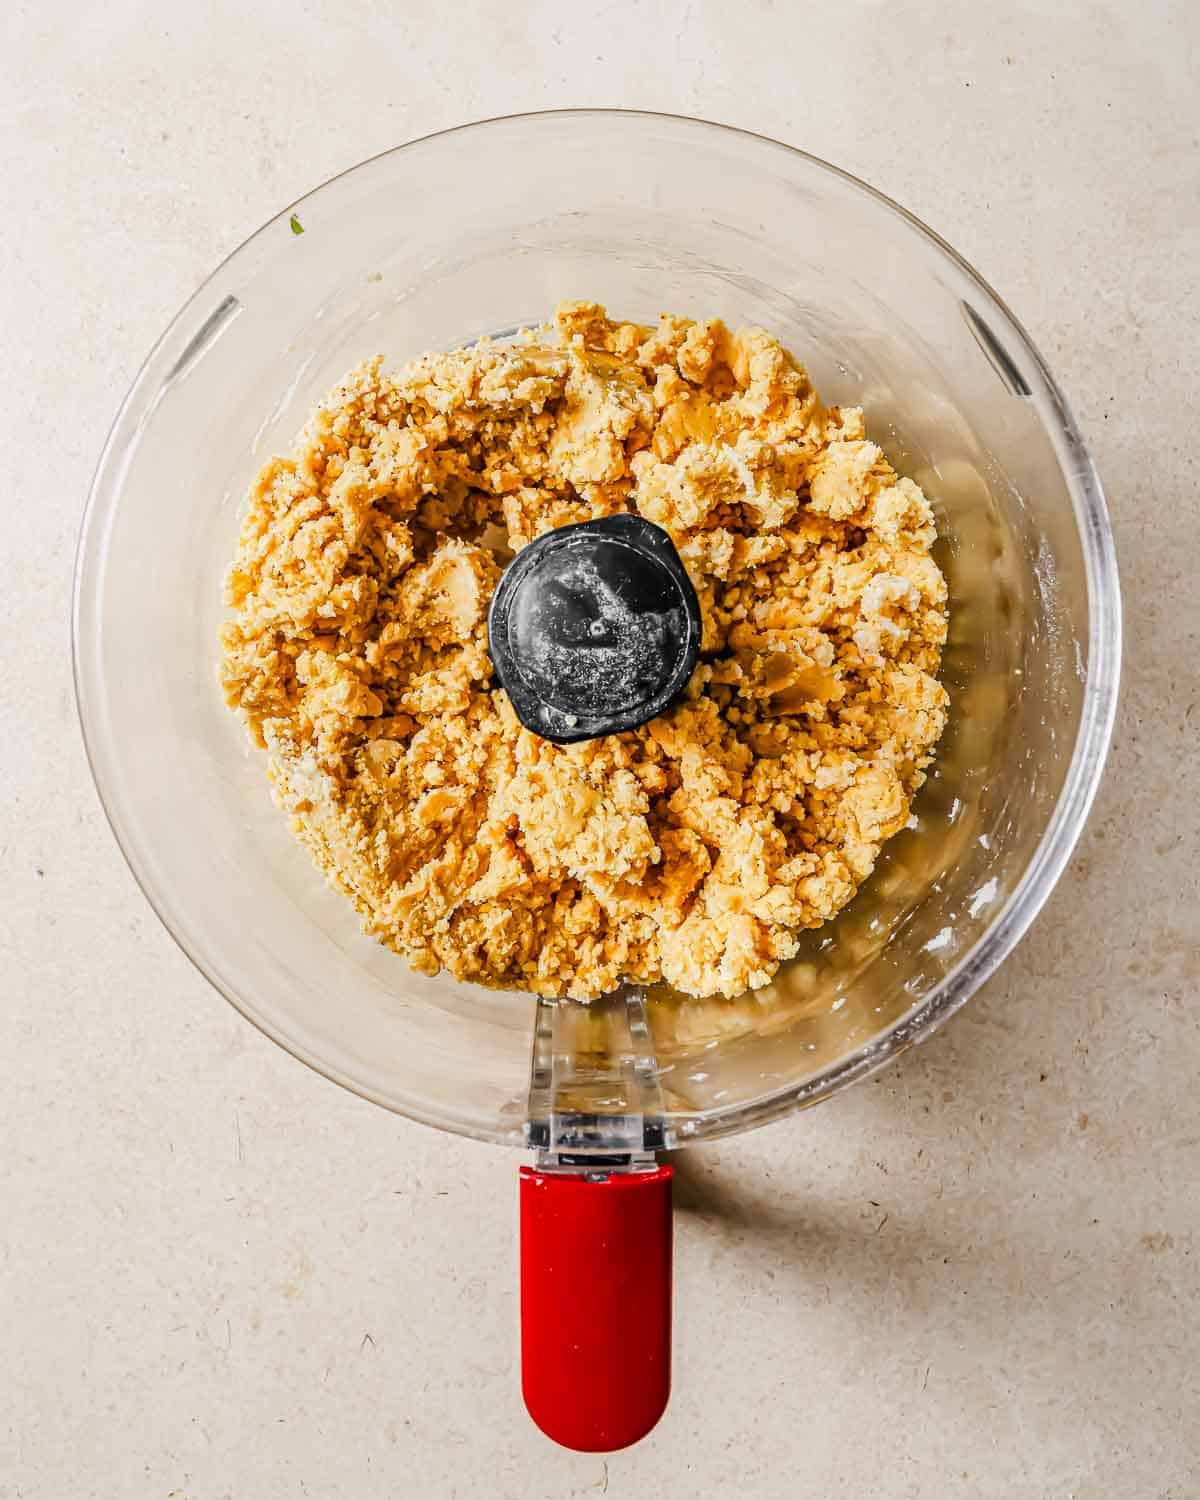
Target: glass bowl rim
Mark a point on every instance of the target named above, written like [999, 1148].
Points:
[1057, 842]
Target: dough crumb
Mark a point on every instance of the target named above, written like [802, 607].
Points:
[692, 850]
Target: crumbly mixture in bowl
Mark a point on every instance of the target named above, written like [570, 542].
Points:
[692, 850]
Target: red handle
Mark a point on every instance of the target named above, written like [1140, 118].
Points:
[596, 1305]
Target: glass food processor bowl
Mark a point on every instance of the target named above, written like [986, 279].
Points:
[478, 231]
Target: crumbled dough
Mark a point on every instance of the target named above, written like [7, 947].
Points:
[691, 850]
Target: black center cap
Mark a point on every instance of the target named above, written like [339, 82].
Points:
[594, 628]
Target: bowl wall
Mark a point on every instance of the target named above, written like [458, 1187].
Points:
[481, 230]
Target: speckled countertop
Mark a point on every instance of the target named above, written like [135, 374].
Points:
[223, 1277]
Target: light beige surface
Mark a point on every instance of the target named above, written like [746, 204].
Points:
[977, 1276]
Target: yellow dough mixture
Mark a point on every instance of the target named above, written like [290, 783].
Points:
[691, 850]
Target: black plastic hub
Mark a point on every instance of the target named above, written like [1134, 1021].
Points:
[594, 628]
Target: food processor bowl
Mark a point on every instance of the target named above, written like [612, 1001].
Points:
[479, 231]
